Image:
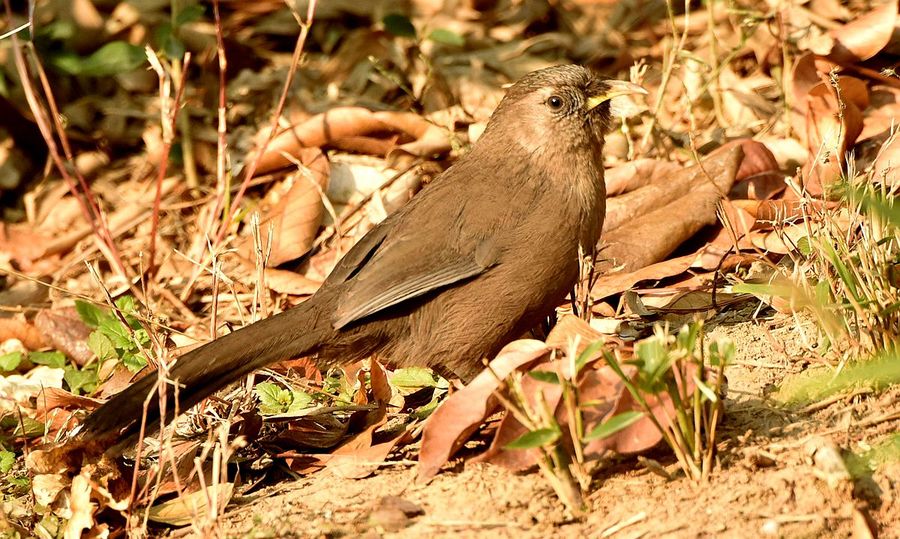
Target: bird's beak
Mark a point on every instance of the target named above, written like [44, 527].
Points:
[617, 88]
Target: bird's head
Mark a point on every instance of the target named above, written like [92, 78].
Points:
[560, 109]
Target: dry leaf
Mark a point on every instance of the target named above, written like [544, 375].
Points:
[865, 36]
[833, 122]
[621, 281]
[80, 503]
[448, 428]
[190, 507]
[292, 211]
[23, 331]
[336, 124]
[886, 167]
[568, 329]
[650, 237]
[65, 331]
[635, 174]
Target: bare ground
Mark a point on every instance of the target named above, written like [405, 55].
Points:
[773, 478]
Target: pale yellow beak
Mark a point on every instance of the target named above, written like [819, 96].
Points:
[617, 88]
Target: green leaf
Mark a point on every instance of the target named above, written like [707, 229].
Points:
[7, 459]
[300, 400]
[535, 438]
[399, 25]
[190, 13]
[170, 44]
[10, 361]
[134, 362]
[413, 378]
[758, 289]
[586, 355]
[111, 59]
[272, 398]
[613, 425]
[90, 314]
[117, 333]
[54, 359]
[687, 337]
[652, 355]
[142, 337]
[705, 389]
[126, 304]
[804, 246]
[721, 352]
[81, 381]
[29, 427]
[545, 376]
[101, 346]
[447, 37]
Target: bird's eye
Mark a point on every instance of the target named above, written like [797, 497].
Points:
[555, 102]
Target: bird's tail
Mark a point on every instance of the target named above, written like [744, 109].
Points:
[203, 371]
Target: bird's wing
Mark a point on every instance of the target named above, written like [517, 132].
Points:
[408, 268]
[357, 257]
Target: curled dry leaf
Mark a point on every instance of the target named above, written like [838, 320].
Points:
[448, 428]
[568, 329]
[66, 332]
[21, 244]
[886, 168]
[617, 282]
[80, 504]
[833, 122]
[290, 282]
[758, 177]
[781, 241]
[185, 509]
[292, 210]
[640, 435]
[16, 389]
[510, 428]
[882, 114]
[679, 212]
[53, 397]
[22, 330]
[360, 457]
[342, 123]
[635, 174]
[757, 158]
[865, 36]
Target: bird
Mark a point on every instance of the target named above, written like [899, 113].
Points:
[477, 258]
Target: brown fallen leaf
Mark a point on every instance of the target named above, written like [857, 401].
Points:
[64, 330]
[18, 328]
[22, 244]
[292, 210]
[781, 241]
[290, 282]
[617, 282]
[865, 36]
[510, 428]
[757, 159]
[448, 428]
[336, 124]
[833, 123]
[886, 168]
[635, 174]
[570, 327]
[52, 398]
[185, 509]
[678, 214]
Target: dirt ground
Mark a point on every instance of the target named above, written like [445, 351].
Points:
[773, 478]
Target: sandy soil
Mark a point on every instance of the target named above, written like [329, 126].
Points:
[770, 481]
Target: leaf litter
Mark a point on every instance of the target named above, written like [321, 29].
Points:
[398, 98]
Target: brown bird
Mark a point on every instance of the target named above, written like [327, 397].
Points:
[473, 261]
